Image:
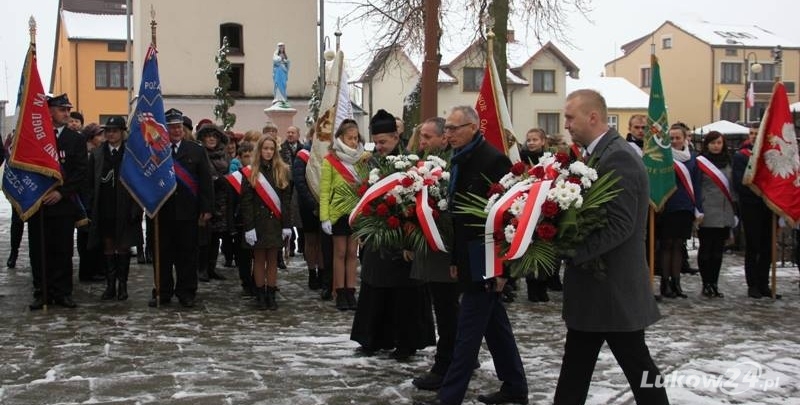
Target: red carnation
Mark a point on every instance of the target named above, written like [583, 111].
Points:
[499, 236]
[538, 172]
[550, 208]
[518, 168]
[495, 188]
[407, 182]
[382, 210]
[390, 200]
[411, 210]
[546, 231]
[363, 189]
[514, 222]
[428, 182]
[393, 222]
[562, 158]
[366, 211]
[574, 180]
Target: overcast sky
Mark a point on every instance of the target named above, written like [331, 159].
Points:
[613, 22]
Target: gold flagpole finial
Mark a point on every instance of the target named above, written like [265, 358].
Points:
[338, 33]
[153, 24]
[490, 43]
[32, 29]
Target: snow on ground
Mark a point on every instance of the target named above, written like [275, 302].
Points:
[734, 350]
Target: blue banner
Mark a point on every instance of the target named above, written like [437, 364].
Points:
[25, 189]
[147, 170]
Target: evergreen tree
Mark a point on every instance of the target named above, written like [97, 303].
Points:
[222, 92]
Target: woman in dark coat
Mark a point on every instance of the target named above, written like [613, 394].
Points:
[266, 219]
[214, 140]
[116, 220]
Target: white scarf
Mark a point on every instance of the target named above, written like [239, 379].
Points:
[347, 154]
[681, 155]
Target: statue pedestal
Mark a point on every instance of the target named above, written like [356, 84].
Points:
[283, 118]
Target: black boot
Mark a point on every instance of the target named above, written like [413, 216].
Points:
[261, 298]
[666, 288]
[707, 291]
[554, 283]
[341, 299]
[111, 278]
[531, 283]
[325, 280]
[313, 279]
[271, 304]
[140, 258]
[716, 292]
[352, 303]
[541, 291]
[12, 259]
[124, 265]
[676, 287]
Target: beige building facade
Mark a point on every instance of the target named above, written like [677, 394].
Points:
[700, 60]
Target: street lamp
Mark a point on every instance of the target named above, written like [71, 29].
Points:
[756, 68]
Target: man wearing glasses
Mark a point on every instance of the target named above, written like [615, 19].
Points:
[636, 126]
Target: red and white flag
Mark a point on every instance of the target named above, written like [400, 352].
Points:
[493, 112]
[773, 171]
[750, 97]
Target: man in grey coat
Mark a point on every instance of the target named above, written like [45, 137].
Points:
[612, 302]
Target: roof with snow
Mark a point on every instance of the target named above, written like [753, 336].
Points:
[618, 91]
[95, 26]
[731, 34]
[724, 127]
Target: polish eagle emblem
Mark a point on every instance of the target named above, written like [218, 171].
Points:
[782, 158]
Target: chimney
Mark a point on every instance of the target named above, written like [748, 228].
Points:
[510, 36]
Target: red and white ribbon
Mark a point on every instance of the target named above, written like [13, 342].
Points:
[428, 223]
[377, 190]
[494, 263]
[716, 176]
[685, 178]
[537, 194]
[267, 193]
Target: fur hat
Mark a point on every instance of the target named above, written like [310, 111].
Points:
[208, 130]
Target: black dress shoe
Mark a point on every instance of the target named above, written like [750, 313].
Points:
[501, 397]
[65, 302]
[187, 302]
[753, 292]
[282, 264]
[212, 274]
[152, 303]
[402, 353]
[428, 382]
[12, 260]
[37, 304]
[427, 402]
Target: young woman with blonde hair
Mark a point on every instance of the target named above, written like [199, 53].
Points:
[266, 215]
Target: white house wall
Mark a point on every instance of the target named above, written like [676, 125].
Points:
[525, 105]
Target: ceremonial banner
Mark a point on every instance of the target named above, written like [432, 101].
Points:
[657, 150]
[147, 168]
[722, 94]
[335, 107]
[32, 169]
[493, 112]
[773, 171]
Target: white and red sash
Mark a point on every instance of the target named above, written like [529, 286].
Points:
[235, 179]
[685, 178]
[716, 176]
[377, 190]
[303, 154]
[427, 223]
[267, 193]
[348, 172]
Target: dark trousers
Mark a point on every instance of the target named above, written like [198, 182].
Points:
[630, 350]
[709, 255]
[17, 227]
[177, 246]
[757, 223]
[482, 315]
[91, 261]
[54, 241]
[445, 306]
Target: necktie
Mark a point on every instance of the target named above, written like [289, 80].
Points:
[113, 152]
[174, 149]
[55, 132]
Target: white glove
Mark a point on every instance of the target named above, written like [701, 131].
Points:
[327, 227]
[250, 237]
[286, 233]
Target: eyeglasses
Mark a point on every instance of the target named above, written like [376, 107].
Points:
[451, 128]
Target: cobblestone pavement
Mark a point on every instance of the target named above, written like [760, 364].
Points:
[225, 352]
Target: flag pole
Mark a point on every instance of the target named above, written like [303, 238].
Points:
[43, 259]
[651, 245]
[774, 235]
[156, 236]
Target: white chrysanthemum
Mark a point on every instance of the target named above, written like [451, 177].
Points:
[591, 174]
[445, 176]
[374, 178]
[392, 158]
[509, 180]
[518, 205]
[422, 170]
[509, 231]
[400, 165]
[578, 202]
[413, 157]
[437, 161]
[579, 168]
[586, 182]
[442, 204]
